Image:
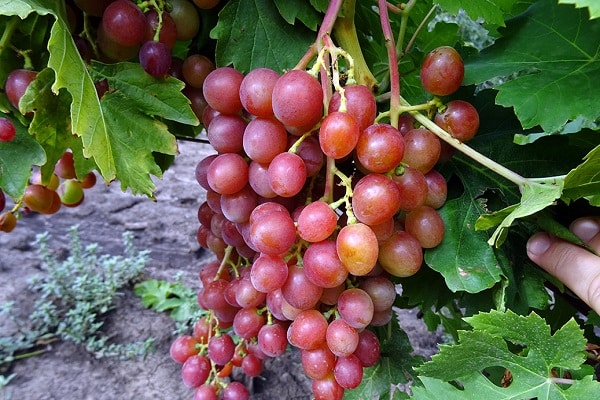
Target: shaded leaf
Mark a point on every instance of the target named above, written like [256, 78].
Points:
[301, 10]
[584, 181]
[253, 34]
[592, 5]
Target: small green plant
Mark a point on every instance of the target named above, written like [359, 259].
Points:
[176, 298]
[74, 295]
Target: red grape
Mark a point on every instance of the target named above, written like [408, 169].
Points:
[442, 71]
[124, 23]
[460, 119]
[338, 134]
[7, 132]
[298, 100]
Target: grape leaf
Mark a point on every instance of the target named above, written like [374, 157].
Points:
[134, 135]
[584, 181]
[464, 258]
[540, 354]
[253, 34]
[551, 50]
[491, 11]
[535, 197]
[16, 159]
[291, 10]
[592, 5]
[155, 97]
[395, 366]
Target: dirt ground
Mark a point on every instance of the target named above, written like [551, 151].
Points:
[167, 228]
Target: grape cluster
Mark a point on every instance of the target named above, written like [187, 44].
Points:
[146, 31]
[310, 213]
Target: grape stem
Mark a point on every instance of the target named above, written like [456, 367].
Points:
[392, 61]
[468, 151]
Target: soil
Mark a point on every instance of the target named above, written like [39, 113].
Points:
[167, 228]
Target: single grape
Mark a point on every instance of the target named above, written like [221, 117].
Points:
[426, 225]
[7, 131]
[298, 100]
[413, 188]
[155, 58]
[8, 221]
[235, 391]
[195, 69]
[308, 330]
[380, 148]
[348, 371]
[287, 174]
[316, 222]
[327, 388]
[460, 119]
[168, 30]
[375, 199]
[401, 254]
[358, 248]
[341, 338]
[338, 134]
[206, 392]
[237, 207]
[183, 348]
[124, 23]
[437, 189]
[264, 139]
[70, 193]
[268, 273]
[221, 90]
[322, 265]
[252, 365]
[206, 4]
[41, 199]
[299, 291]
[273, 233]
[360, 103]
[381, 290]
[272, 339]
[368, 348]
[247, 322]
[442, 71]
[317, 363]
[187, 20]
[356, 307]
[17, 83]
[422, 149]
[256, 91]
[226, 133]
[221, 349]
[195, 371]
[227, 173]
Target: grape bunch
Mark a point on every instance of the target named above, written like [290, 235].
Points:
[311, 212]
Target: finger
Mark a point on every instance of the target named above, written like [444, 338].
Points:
[573, 265]
[588, 230]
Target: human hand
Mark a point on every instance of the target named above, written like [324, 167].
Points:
[573, 265]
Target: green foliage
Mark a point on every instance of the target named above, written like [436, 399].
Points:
[252, 34]
[549, 46]
[177, 299]
[592, 5]
[72, 298]
[535, 357]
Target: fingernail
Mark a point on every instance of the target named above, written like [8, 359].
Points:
[585, 228]
[538, 244]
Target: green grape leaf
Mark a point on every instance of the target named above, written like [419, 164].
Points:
[592, 5]
[465, 260]
[491, 11]
[51, 123]
[535, 356]
[253, 34]
[535, 197]
[554, 64]
[584, 181]
[395, 366]
[301, 10]
[155, 97]
[16, 159]
[133, 136]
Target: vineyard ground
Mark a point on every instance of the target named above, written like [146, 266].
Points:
[167, 228]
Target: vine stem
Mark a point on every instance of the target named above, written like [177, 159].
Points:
[393, 63]
[466, 150]
[11, 25]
